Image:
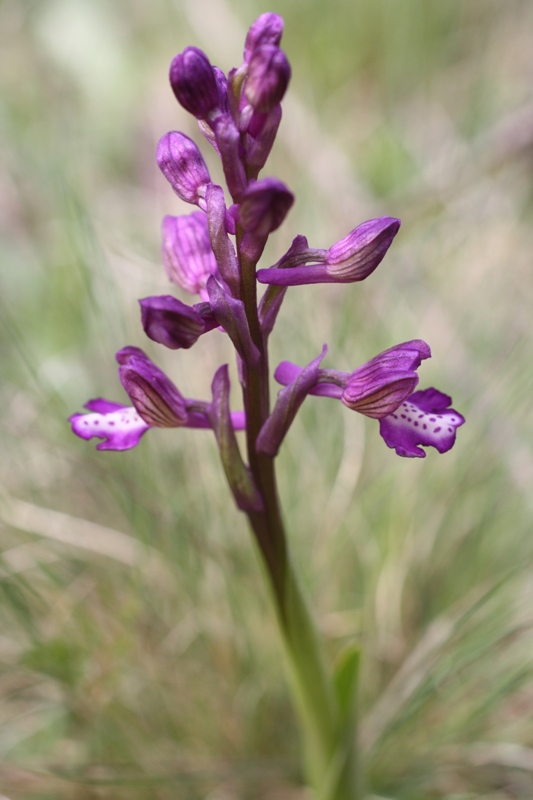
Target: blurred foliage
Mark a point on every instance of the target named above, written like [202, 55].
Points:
[138, 657]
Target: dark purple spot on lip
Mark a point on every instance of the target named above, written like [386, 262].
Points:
[416, 424]
[420, 416]
[403, 416]
[97, 422]
[451, 430]
[395, 416]
[408, 419]
[436, 430]
[425, 426]
[111, 423]
[432, 419]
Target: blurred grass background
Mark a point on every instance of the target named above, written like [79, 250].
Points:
[138, 657]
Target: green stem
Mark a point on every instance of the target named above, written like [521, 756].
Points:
[328, 733]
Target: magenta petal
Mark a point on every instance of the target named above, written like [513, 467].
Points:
[186, 249]
[103, 406]
[286, 372]
[121, 429]
[422, 419]
[182, 164]
[431, 400]
[297, 276]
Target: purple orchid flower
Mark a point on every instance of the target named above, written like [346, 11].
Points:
[157, 403]
[380, 389]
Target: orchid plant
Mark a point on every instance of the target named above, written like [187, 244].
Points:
[213, 253]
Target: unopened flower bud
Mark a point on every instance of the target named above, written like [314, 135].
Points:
[264, 206]
[267, 29]
[187, 253]
[168, 321]
[269, 73]
[356, 256]
[194, 83]
[182, 164]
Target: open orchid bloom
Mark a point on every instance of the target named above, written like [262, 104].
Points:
[383, 389]
[157, 403]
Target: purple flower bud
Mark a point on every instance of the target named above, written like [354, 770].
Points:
[264, 205]
[356, 256]
[182, 164]
[262, 132]
[352, 259]
[222, 85]
[125, 355]
[176, 325]
[267, 29]
[194, 83]
[228, 141]
[187, 254]
[424, 418]
[157, 400]
[269, 73]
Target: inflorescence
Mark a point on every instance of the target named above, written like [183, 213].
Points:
[213, 253]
